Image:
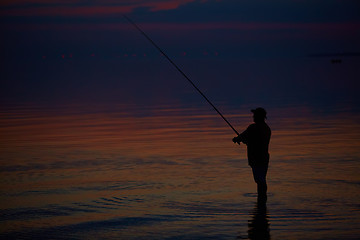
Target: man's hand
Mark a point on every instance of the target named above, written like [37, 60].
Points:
[236, 140]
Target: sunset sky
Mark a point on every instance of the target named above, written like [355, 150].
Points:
[238, 52]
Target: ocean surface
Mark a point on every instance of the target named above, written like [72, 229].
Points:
[165, 172]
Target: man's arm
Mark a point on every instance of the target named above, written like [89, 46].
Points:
[242, 137]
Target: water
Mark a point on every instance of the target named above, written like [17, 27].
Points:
[127, 172]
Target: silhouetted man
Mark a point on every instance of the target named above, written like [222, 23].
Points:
[257, 138]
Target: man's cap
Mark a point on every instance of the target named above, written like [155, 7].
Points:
[259, 112]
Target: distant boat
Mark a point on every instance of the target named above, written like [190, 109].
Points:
[335, 58]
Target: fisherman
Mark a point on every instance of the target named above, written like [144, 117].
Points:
[257, 138]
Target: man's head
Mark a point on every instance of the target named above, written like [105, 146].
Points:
[259, 114]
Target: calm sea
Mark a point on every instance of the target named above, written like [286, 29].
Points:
[130, 172]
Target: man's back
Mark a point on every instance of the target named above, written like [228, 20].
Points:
[257, 138]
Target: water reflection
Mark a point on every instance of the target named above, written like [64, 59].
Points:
[259, 227]
[140, 161]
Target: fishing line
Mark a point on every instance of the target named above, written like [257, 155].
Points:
[187, 78]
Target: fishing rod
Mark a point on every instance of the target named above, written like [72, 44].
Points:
[186, 77]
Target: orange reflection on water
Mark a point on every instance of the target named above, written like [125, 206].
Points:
[174, 133]
[142, 136]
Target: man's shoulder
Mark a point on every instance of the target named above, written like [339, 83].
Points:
[252, 126]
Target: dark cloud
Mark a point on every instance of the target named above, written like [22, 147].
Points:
[258, 11]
